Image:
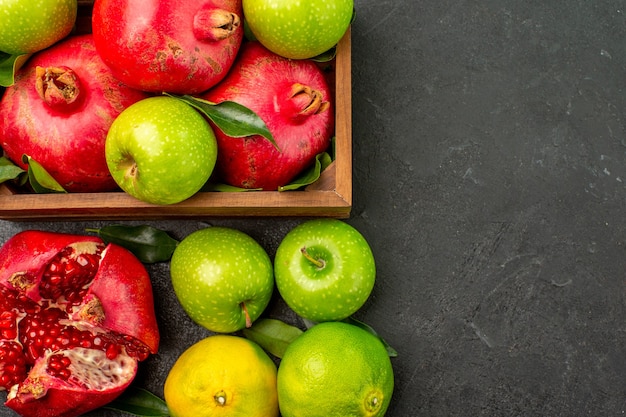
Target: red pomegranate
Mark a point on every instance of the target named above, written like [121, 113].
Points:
[76, 317]
[59, 111]
[178, 46]
[292, 97]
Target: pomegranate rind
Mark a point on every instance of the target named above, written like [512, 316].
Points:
[127, 299]
[157, 45]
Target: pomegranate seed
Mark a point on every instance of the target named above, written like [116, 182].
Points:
[64, 374]
[82, 260]
[58, 366]
[8, 334]
[112, 351]
[70, 269]
[12, 364]
[67, 275]
[34, 352]
[66, 361]
[54, 280]
[7, 315]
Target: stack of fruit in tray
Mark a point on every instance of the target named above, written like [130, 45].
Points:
[164, 99]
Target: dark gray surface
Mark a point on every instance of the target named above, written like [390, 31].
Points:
[489, 178]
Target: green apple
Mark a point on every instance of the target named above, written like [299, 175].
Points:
[28, 26]
[298, 29]
[222, 277]
[324, 269]
[160, 150]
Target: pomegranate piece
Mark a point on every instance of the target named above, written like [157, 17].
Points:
[76, 317]
[178, 46]
[294, 100]
[59, 112]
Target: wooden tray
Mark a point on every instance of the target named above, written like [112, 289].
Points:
[330, 196]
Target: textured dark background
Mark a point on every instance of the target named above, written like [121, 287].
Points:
[489, 178]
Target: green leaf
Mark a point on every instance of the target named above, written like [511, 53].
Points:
[147, 243]
[231, 118]
[326, 56]
[41, 181]
[351, 320]
[311, 175]
[8, 170]
[9, 65]
[272, 335]
[139, 402]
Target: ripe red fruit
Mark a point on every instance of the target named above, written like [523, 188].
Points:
[178, 46]
[293, 98]
[76, 317]
[59, 112]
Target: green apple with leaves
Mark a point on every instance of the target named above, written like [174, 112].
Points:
[160, 150]
[324, 269]
[222, 277]
[28, 26]
[298, 29]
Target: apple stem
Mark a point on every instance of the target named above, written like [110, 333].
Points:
[245, 312]
[319, 263]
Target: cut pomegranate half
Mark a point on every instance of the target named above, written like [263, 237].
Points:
[76, 317]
